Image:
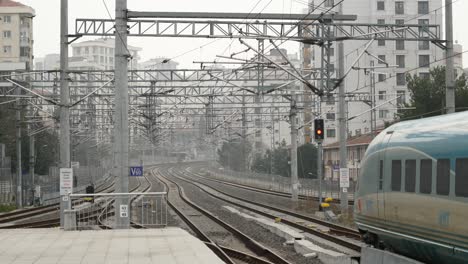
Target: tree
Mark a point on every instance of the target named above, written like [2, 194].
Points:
[307, 161]
[276, 161]
[234, 154]
[46, 142]
[428, 94]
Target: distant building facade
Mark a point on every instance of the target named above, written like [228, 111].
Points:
[100, 53]
[356, 147]
[16, 39]
[403, 57]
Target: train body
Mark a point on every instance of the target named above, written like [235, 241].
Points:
[412, 195]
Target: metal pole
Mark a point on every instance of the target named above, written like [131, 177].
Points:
[32, 163]
[319, 170]
[373, 123]
[294, 179]
[342, 118]
[19, 174]
[449, 71]
[121, 130]
[64, 98]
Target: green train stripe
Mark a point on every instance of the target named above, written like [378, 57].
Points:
[398, 224]
[411, 229]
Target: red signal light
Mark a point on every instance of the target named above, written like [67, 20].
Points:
[319, 132]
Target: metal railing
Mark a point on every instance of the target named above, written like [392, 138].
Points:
[94, 211]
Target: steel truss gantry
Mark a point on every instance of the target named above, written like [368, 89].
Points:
[302, 29]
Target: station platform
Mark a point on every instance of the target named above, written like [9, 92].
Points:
[53, 245]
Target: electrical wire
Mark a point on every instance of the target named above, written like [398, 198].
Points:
[413, 69]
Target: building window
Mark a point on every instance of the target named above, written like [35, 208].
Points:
[358, 132]
[330, 100]
[6, 49]
[424, 61]
[380, 5]
[424, 75]
[382, 95]
[423, 30]
[443, 177]
[400, 79]
[381, 42]
[399, 21]
[382, 77]
[7, 34]
[396, 175]
[95, 50]
[423, 45]
[331, 133]
[330, 116]
[425, 176]
[86, 50]
[383, 114]
[329, 3]
[258, 133]
[399, 8]
[410, 176]
[400, 61]
[401, 97]
[461, 178]
[399, 44]
[331, 52]
[381, 59]
[7, 19]
[24, 51]
[423, 7]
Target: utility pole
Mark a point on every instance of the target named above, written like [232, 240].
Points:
[121, 130]
[342, 119]
[64, 99]
[373, 123]
[32, 163]
[449, 71]
[294, 179]
[19, 173]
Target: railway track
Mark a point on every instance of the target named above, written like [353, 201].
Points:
[48, 223]
[36, 211]
[271, 192]
[335, 229]
[226, 254]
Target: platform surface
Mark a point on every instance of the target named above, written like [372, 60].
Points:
[46, 246]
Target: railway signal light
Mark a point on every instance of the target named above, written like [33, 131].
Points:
[319, 129]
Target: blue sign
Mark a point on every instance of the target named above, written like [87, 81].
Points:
[136, 171]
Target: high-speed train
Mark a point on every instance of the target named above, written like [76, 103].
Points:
[412, 195]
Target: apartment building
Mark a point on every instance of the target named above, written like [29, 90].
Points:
[100, 52]
[16, 35]
[393, 59]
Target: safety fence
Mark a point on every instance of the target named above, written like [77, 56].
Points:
[111, 210]
[307, 187]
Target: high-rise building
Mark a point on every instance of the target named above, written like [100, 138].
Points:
[16, 35]
[100, 53]
[392, 61]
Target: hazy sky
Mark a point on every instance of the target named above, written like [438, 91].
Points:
[47, 24]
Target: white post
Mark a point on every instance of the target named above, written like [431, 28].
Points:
[121, 130]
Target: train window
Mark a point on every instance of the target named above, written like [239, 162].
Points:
[396, 175]
[443, 177]
[461, 178]
[410, 175]
[381, 175]
[425, 177]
